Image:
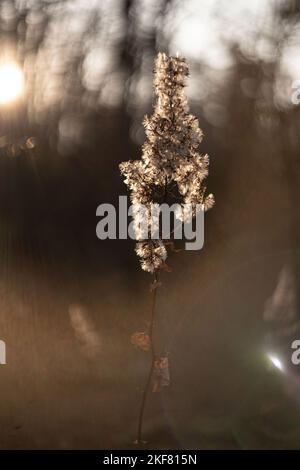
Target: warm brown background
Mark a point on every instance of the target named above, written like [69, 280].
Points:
[73, 380]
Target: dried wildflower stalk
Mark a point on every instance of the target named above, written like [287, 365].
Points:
[171, 170]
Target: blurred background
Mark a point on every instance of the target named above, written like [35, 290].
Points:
[75, 83]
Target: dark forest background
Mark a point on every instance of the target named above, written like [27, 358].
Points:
[69, 302]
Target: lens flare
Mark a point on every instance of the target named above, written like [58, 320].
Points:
[276, 362]
[11, 82]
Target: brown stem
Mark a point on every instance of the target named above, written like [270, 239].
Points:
[153, 357]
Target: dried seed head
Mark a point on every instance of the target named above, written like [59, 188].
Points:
[170, 154]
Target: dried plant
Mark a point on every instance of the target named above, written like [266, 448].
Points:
[171, 170]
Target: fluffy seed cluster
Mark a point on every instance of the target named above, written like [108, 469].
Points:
[170, 157]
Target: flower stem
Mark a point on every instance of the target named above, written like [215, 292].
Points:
[153, 357]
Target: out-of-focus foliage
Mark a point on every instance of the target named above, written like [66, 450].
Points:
[83, 57]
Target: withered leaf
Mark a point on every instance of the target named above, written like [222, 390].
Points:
[161, 374]
[141, 340]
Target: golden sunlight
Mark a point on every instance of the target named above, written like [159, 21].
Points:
[11, 82]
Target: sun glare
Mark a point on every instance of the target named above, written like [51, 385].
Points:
[11, 82]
